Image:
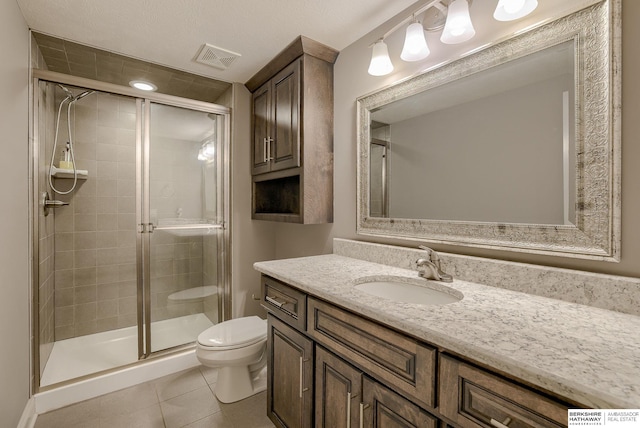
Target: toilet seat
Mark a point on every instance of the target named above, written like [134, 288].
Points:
[233, 334]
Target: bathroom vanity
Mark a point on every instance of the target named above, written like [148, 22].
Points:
[341, 357]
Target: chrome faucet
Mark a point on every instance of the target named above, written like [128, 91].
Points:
[429, 268]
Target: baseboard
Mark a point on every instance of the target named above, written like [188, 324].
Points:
[83, 390]
[29, 416]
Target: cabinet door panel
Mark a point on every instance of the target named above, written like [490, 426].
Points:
[289, 376]
[261, 117]
[338, 391]
[285, 147]
[383, 408]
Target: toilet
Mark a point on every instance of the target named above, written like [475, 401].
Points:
[237, 347]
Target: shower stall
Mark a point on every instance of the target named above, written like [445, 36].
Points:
[130, 230]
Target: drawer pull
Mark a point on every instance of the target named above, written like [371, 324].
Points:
[504, 424]
[274, 301]
[348, 409]
[362, 409]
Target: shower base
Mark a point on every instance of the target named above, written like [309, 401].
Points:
[80, 356]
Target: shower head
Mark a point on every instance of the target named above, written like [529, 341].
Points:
[82, 95]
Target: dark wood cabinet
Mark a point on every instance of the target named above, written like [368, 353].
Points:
[292, 135]
[338, 391]
[276, 109]
[289, 376]
[383, 408]
[401, 362]
[475, 398]
[330, 367]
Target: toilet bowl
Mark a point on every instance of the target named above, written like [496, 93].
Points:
[238, 349]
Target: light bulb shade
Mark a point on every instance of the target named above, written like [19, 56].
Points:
[458, 27]
[509, 10]
[415, 45]
[380, 61]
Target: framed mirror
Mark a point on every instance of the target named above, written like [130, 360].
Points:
[515, 147]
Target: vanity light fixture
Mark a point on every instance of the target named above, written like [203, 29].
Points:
[415, 44]
[458, 28]
[143, 85]
[380, 61]
[509, 10]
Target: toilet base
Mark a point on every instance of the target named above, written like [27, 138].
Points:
[235, 383]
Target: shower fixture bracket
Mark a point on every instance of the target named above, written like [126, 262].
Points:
[48, 203]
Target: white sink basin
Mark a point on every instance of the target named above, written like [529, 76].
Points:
[409, 292]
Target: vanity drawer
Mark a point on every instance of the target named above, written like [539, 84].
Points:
[395, 359]
[288, 304]
[474, 398]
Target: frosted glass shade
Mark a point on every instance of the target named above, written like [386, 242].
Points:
[458, 27]
[380, 61]
[509, 10]
[415, 44]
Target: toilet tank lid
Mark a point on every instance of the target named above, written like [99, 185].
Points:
[235, 332]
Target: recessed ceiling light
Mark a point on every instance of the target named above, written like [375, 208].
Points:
[143, 86]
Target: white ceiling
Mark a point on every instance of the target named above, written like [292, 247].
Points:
[171, 32]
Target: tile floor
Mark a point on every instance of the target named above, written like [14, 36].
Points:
[182, 399]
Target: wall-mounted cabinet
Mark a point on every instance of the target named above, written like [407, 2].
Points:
[292, 135]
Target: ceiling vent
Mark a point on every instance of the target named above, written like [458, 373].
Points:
[216, 57]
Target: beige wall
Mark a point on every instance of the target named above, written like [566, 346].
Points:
[352, 81]
[251, 241]
[14, 236]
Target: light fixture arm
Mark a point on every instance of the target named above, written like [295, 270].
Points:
[410, 18]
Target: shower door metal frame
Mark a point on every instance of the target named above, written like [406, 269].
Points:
[224, 304]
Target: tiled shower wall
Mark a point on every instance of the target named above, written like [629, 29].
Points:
[95, 236]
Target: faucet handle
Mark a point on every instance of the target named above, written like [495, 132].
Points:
[433, 256]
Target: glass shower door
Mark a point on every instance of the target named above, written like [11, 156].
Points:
[184, 212]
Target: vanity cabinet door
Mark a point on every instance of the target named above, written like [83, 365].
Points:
[383, 408]
[289, 376]
[338, 392]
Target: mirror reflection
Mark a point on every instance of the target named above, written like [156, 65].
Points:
[494, 146]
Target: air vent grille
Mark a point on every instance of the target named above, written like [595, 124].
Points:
[216, 57]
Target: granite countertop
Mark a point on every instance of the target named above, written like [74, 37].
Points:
[586, 354]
